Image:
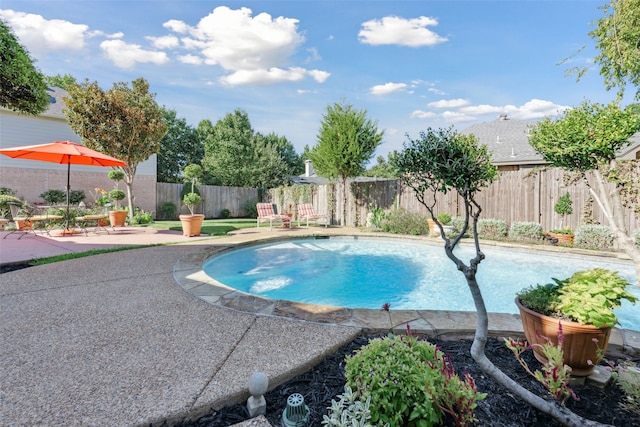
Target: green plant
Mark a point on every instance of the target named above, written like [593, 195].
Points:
[444, 218]
[627, 375]
[141, 217]
[594, 237]
[525, 231]
[409, 382]
[375, 218]
[5, 200]
[400, 221]
[555, 375]
[169, 210]
[348, 411]
[587, 297]
[116, 175]
[567, 230]
[252, 210]
[191, 200]
[76, 196]
[192, 173]
[116, 195]
[492, 228]
[54, 196]
[6, 191]
[225, 213]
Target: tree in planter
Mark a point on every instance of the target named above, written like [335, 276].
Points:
[442, 161]
[587, 139]
[116, 175]
[192, 173]
[563, 207]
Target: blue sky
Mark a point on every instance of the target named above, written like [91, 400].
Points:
[410, 64]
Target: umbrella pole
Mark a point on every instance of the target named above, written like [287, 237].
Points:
[66, 225]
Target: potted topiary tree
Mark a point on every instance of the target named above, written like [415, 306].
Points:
[582, 307]
[192, 223]
[563, 207]
[117, 216]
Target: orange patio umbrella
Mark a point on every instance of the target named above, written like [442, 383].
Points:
[64, 153]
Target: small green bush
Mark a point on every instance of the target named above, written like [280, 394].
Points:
[186, 189]
[444, 218]
[402, 222]
[409, 382]
[76, 196]
[457, 222]
[54, 197]
[169, 210]
[5, 199]
[492, 228]
[6, 191]
[522, 231]
[348, 411]
[593, 236]
[252, 210]
[225, 213]
[141, 217]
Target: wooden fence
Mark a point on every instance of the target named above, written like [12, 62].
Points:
[522, 195]
[214, 199]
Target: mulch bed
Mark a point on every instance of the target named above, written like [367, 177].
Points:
[500, 409]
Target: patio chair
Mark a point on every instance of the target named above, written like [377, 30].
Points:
[306, 213]
[26, 222]
[266, 213]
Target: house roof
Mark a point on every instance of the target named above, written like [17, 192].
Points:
[56, 104]
[507, 140]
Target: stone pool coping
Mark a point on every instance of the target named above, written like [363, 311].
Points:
[440, 324]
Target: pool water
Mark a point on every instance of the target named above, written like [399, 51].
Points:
[369, 272]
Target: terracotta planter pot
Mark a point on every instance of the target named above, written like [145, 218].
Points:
[191, 224]
[433, 228]
[117, 218]
[563, 239]
[578, 345]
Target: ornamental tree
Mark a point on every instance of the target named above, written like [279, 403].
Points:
[346, 142]
[22, 86]
[123, 122]
[588, 139]
[441, 161]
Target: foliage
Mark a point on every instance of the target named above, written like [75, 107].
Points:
[192, 173]
[53, 196]
[587, 297]
[6, 191]
[5, 199]
[187, 188]
[375, 218]
[457, 222]
[584, 138]
[76, 196]
[225, 213]
[348, 411]
[555, 375]
[237, 156]
[180, 146]
[168, 210]
[594, 236]
[115, 175]
[524, 231]
[141, 217]
[627, 375]
[191, 200]
[616, 36]
[400, 221]
[590, 296]
[563, 206]
[409, 382]
[384, 168]
[116, 195]
[252, 209]
[22, 86]
[123, 122]
[65, 81]
[444, 218]
[490, 228]
[567, 230]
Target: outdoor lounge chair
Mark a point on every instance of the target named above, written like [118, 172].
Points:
[306, 213]
[266, 213]
[27, 223]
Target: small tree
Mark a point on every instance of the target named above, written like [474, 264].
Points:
[563, 207]
[443, 161]
[346, 141]
[587, 139]
[192, 173]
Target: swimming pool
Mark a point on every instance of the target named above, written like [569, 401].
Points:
[368, 272]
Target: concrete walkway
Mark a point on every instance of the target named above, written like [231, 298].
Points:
[140, 337]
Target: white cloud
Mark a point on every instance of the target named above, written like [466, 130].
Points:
[176, 26]
[319, 75]
[388, 88]
[531, 110]
[449, 103]
[456, 116]
[436, 91]
[400, 31]
[126, 55]
[164, 42]
[40, 35]
[190, 59]
[313, 55]
[263, 77]
[420, 114]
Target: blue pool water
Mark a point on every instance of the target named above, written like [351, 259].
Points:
[368, 272]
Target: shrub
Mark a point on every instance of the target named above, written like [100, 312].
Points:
[492, 228]
[5, 199]
[186, 189]
[593, 237]
[457, 222]
[168, 210]
[225, 213]
[76, 196]
[252, 210]
[525, 231]
[410, 382]
[348, 411]
[54, 197]
[444, 218]
[402, 222]
[6, 191]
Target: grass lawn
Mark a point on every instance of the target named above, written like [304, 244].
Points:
[212, 227]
